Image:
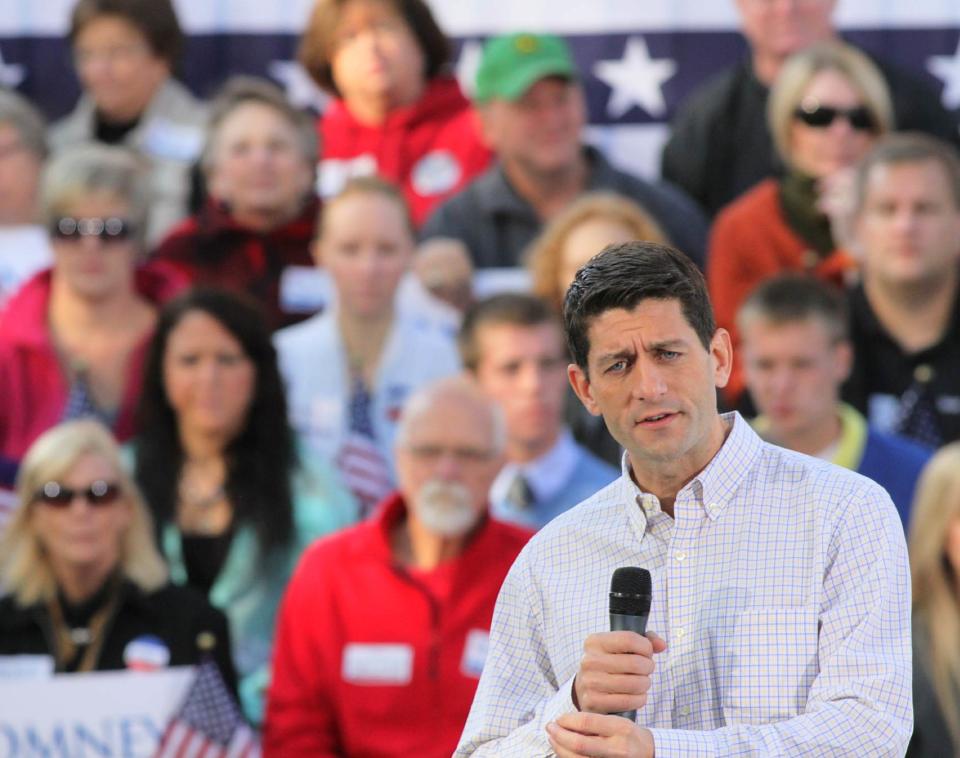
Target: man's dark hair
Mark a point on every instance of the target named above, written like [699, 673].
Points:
[909, 147]
[622, 276]
[156, 20]
[511, 308]
[789, 298]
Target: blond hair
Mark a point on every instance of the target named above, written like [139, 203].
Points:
[369, 185]
[936, 588]
[544, 257]
[24, 569]
[797, 73]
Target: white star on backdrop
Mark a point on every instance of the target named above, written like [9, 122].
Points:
[301, 90]
[11, 74]
[467, 65]
[635, 79]
[947, 67]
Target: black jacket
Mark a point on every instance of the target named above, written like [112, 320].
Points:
[183, 620]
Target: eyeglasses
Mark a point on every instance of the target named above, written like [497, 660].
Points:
[462, 455]
[821, 116]
[111, 229]
[98, 493]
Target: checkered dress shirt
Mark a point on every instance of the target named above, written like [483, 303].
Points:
[781, 586]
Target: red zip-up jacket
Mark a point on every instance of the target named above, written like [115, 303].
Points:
[431, 148]
[33, 387]
[371, 658]
[211, 248]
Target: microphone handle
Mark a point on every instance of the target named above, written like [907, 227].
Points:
[620, 622]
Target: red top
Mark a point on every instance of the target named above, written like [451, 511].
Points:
[750, 243]
[431, 148]
[371, 658]
[212, 248]
[33, 387]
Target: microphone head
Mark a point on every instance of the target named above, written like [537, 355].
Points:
[630, 591]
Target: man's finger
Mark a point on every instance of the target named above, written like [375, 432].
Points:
[659, 644]
[574, 744]
[626, 664]
[619, 642]
[594, 724]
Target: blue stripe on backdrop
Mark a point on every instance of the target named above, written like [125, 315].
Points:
[634, 81]
[40, 66]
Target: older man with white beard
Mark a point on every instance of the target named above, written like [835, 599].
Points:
[383, 631]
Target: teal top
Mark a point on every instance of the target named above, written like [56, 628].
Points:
[250, 585]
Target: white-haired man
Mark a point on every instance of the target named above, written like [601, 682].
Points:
[383, 631]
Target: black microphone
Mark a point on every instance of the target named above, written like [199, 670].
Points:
[630, 592]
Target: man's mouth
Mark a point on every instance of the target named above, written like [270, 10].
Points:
[656, 418]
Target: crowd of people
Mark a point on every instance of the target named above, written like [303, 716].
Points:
[253, 408]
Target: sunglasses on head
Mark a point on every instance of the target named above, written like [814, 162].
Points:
[98, 493]
[821, 116]
[105, 229]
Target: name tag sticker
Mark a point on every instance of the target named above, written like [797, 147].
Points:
[377, 664]
[475, 652]
[26, 666]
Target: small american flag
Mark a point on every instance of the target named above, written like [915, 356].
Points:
[363, 467]
[208, 724]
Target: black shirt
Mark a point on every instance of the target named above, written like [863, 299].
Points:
[183, 621]
[204, 556]
[883, 373]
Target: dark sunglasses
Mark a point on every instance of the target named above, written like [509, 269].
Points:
[98, 493]
[821, 116]
[110, 229]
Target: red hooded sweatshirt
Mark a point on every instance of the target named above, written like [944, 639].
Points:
[33, 387]
[431, 148]
[373, 658]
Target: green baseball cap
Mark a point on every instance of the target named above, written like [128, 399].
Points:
[511, 64]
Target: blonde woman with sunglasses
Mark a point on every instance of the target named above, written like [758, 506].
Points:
[827, 107]
[88, 590]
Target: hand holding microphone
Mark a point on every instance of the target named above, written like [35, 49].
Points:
[615, 669]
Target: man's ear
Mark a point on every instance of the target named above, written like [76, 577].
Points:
[842, 360]
[580, 382]
[484, 120]
[721, 350]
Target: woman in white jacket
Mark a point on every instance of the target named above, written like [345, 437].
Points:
[350, 369]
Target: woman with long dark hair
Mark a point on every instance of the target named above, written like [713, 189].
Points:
[234, 500]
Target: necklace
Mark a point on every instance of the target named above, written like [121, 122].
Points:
[199, 502]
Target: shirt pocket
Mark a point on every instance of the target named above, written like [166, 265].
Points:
[773, 662]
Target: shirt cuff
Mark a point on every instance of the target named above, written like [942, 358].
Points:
[683, 743]
[560, 703]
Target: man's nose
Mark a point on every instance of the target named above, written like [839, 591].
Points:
[649, 382]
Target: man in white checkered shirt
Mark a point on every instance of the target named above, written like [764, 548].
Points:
[780, 582]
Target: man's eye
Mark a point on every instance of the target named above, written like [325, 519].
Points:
[616, 367]
[669, 355]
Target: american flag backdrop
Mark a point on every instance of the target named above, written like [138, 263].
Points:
[639, 58]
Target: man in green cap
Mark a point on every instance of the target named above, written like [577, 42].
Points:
[532, 112]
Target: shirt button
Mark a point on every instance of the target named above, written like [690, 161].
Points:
[679, 633]
[923, 373]
[685, 710]
[680, 555]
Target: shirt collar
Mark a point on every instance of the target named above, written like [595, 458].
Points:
[545, 475]
[715, 486]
